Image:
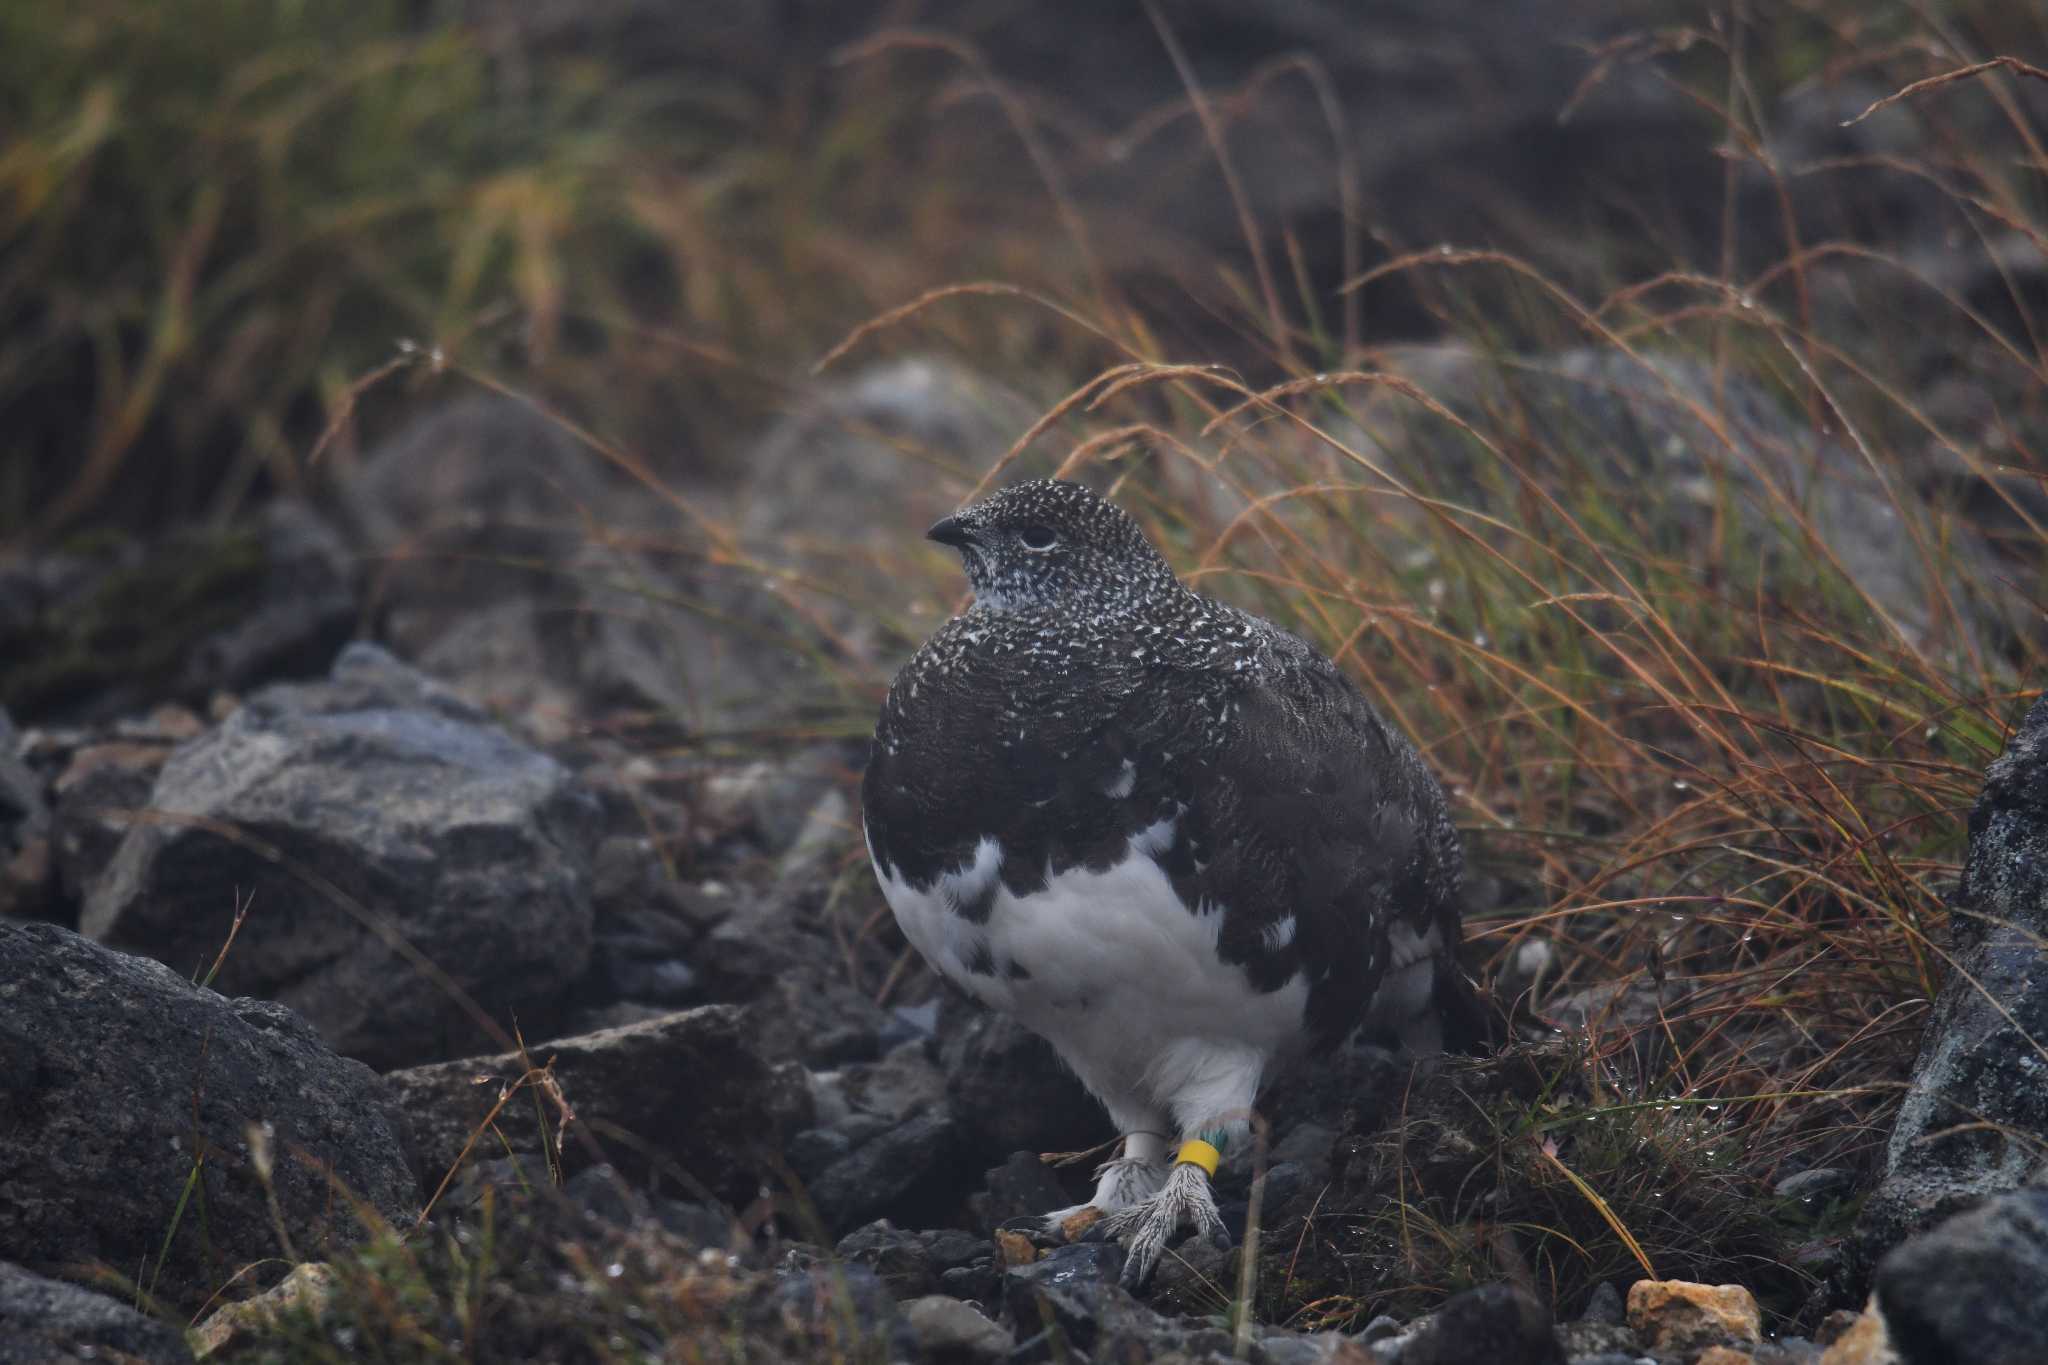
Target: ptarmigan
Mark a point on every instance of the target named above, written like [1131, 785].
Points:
[1165, 834]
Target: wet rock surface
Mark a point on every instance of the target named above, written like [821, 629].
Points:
[121, 1083]
[371, 823]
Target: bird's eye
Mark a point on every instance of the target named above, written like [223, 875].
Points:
[1037, 537]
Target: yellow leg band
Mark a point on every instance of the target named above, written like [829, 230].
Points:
[1195, 1152]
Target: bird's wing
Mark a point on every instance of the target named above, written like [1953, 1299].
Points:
[1035, 761]
[1318, 830]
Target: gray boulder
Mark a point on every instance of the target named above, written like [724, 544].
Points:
[1975, 1115]
[372, 823]
[50, 1322]
[119, 1078]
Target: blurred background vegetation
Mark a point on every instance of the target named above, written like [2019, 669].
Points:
[215, 218]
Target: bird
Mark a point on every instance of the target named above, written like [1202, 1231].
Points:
[1165, 834]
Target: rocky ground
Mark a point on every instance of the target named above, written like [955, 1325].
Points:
[452, 1003]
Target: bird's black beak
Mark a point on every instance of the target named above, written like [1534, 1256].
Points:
[949, 531]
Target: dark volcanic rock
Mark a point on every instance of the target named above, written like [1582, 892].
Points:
[49, 1322]
[885, 1145]
[378, 818]
[1976, 1110]
[685, 1093]
[1059, 1300]
[1068, 1304]
[115, 1073]
[911, 1172]
[1975, 1288]
[1022, 1187]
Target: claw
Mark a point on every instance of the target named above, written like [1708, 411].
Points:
[1184, 1200]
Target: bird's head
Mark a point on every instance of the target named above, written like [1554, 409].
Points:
[1053, 543]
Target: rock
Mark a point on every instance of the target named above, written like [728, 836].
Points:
[604, 1193]
[950, 1332]
[1678, 1315]
[1579, 1339]
[25, 852]
[1010, 1090]
[1975, 1113]
[950, 1247]
[1974, 1288]
[514, 596]
[1605, 1306]
[100, 789]
[642, 956]
[687, 1092]
[768, 953]
[899, 1259]
[1823, 1182]
[911, 1172]
[484, 512]
[1866, 1341]
[902, 1085]
[1022, 1187]
[306, 1290]
[977, 1283]
[1058, 1300]
[1322, 1348]
[1495, 1324]
[1191, 1277]
[302, 610]
[776, 800]
[51, 1322]
[1724, 1355]
[845, 1307]
[387, 823]
[1014, 1248]
[1385, 1327]
[115, 1073]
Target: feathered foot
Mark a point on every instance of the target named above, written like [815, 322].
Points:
[1146, 1228]
[1120, 1183]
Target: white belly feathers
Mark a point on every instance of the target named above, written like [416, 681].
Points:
[1111, 967]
